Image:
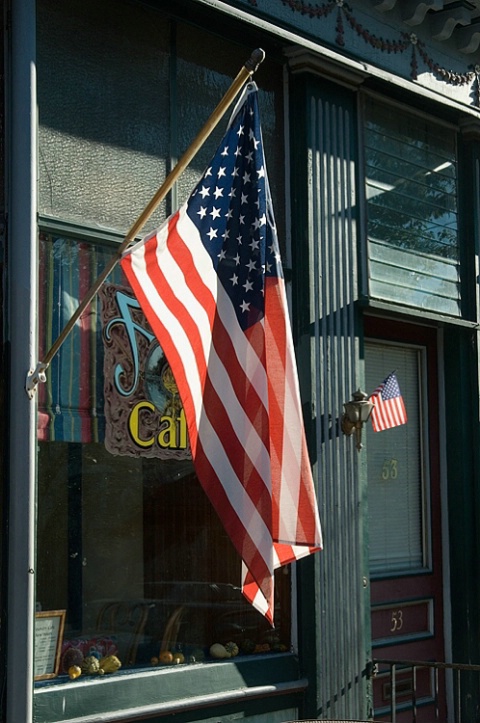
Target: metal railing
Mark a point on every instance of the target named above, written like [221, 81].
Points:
[454, 674]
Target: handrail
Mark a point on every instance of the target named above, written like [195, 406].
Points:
[395, 665]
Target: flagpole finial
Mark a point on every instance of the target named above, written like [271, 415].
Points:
[255, 59]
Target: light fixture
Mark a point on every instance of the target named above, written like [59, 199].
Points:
[357, 412]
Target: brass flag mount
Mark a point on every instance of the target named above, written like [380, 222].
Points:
[37, 375]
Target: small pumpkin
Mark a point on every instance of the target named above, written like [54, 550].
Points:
[90, 665]
[165, 657]
[231, 648]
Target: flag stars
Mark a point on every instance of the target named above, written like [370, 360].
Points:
[234, 280]
[222, 172]
[248, 286]
[246, 177]
[240, 131]
[215, 213]
[218, 193]
[204, 191]
[225, 151]
[251, 266]
[261, 172]
[244, 198]
[245, 306]
[202, 212]
[212, 233]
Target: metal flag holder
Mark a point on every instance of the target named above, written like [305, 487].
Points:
[34, 377]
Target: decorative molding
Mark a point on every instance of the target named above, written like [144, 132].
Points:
[300, 60]
[470, 129]
[468, 37]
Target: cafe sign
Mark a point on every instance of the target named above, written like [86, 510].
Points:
[143, 412]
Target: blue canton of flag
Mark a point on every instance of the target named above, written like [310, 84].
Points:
[230, 207]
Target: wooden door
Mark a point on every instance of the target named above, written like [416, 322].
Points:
[405, 529]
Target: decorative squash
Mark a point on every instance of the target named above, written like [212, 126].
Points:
[219, 651]
[231, 648]
[109, 664]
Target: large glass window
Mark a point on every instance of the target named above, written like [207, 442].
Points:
[411, 204]
[127, 542]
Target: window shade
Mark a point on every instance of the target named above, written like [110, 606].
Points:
[395, 485]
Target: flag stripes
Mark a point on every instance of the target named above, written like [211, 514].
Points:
[211, 285]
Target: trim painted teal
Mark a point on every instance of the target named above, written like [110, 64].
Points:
[153, 692]
[332, 598]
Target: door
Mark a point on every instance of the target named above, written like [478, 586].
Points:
[405, 529]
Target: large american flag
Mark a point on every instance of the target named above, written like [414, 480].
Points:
[389, 408]
[210, 282]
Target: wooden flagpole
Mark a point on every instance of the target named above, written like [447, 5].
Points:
[38, 375]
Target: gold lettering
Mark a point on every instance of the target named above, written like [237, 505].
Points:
[182, 444]
[134, 424]
[167, 436]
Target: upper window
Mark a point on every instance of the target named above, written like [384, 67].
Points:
[411, 206]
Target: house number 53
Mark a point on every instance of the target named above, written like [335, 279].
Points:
[397, 621]
[390, 469]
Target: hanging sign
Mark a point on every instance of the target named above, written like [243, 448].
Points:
[143, 412]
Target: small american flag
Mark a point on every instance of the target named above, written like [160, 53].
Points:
[389, 408]
[210, 282]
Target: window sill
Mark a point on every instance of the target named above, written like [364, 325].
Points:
[139, 694]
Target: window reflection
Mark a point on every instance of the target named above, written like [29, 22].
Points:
[128, 543]
[411, 205]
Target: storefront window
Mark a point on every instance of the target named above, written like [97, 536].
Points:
[128, 543]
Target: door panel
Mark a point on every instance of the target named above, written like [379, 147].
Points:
[405, 531]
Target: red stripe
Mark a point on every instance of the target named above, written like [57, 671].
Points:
[230, 518]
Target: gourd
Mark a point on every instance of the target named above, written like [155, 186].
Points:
[218, 651]
[74, 671]
[90, 665]
[109, 664]
[231, 648]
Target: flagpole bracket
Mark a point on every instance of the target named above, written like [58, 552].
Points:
[34, 377]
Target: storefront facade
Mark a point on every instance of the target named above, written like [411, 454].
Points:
[370, 116]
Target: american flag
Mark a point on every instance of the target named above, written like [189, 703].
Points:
[389, 408]
[211, 284]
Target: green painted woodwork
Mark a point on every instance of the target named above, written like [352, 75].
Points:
[332, 600]
[149, 690]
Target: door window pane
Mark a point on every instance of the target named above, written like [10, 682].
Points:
[396, 498]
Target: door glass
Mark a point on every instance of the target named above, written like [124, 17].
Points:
[396, 479]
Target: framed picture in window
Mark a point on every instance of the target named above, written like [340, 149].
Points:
[49, 626]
